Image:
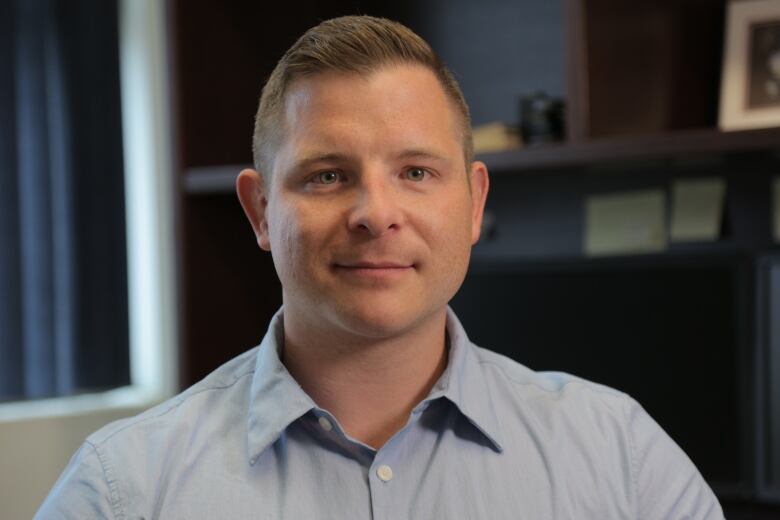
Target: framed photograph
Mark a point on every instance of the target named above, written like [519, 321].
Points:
[750, 86]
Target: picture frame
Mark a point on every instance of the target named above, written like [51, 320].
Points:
[750, 82]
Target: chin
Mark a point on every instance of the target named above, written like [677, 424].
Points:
[379, 321]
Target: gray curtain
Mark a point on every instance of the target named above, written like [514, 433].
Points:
[63, 283]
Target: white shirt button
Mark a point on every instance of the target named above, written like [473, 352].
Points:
[326, 424]
[384, 472]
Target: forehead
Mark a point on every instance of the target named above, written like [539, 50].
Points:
[394, 106]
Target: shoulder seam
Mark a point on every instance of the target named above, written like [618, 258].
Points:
[632, 455]
[593, 387]
[174, 406]
[111, 482]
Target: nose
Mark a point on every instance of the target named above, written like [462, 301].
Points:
[376, 208]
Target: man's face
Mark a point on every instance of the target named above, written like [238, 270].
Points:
[370, 215]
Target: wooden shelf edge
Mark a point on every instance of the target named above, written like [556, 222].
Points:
[632, 148]
[212, 179]
[674, 254]
[221, 179]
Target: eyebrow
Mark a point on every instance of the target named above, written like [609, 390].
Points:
[410, 153]
[314, 158]
[421, 153]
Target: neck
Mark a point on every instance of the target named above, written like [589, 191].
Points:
[370, 385]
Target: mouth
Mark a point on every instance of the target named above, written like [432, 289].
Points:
[374, 265]
[374, 271]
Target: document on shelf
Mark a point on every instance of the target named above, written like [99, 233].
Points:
[697, 209]
[628, 222]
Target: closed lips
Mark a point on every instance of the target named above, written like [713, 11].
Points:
[374, 265]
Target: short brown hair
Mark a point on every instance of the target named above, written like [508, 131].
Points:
[349, 44]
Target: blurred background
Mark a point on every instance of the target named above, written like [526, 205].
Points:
[631, 234]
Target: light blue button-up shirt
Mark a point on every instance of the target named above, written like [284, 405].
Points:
[493, 440]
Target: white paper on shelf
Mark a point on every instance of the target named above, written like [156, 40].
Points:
[625, 223]
[697, 209]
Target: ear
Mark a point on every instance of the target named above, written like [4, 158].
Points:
[479, 189]
[251, 193]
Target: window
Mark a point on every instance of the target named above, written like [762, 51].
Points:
[86, 257]
[64, 277]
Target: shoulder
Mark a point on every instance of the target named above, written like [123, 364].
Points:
[556, 388]
[120, 467]
[582, 424]
[221, 390]
[569, 415]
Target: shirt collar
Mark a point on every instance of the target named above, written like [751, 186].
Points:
[463, 383]
[277, 400]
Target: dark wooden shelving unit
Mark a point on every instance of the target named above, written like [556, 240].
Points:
[644, 67]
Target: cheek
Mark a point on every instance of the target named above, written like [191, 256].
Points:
[294, 236]
[449, 245]
[448, 232]
[282, 233]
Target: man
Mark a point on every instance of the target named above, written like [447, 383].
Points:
[366, 399]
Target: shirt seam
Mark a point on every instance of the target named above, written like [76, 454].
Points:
[173, 407]
[595, 389]
[632, 456]
[111, 482]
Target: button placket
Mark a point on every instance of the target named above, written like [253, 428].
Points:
[382, 485]
[387, 477]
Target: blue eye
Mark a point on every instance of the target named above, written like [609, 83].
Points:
[415, 174]
[328, 177]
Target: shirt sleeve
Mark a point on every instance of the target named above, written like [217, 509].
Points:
[668, 485]
[82, 491]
